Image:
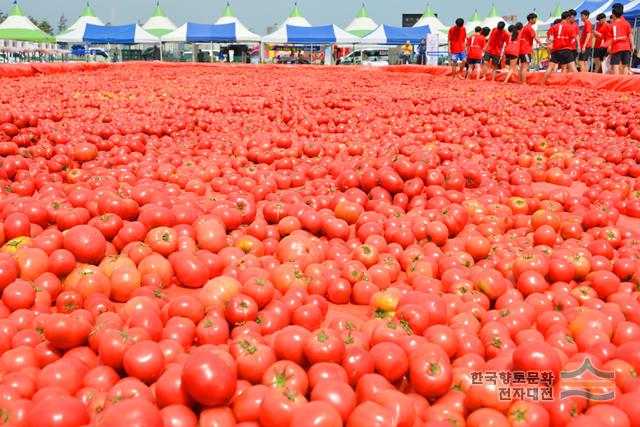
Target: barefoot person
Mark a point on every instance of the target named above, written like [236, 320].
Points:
[512, 51]
[562, 53]
[457, 52]
[476, 46]
[599, 47]
[621, 41]
[527, 37]
[585, 42]
[497, 40]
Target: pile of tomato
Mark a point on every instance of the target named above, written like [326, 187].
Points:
[220, 246]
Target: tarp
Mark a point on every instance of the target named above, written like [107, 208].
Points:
[593, 6]
[159, 24]
[202, 33]
[386, 34]
[31, 69]
[120, 34]
[362, 24]
[430, 19]
[633, 13]
[587, 80]
[324, 34]
[19, 27]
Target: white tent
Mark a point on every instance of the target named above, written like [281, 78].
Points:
[19, 27]
[429, 18]
[88, 16]
[242, 32]
[159, 24]
[296, 19]
[557, 12]
[325, 34]
[219, 33]
[361, 24]
[492, 19]
[473, 22]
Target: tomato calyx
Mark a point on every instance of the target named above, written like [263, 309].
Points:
[322, 336]
[246, 346]
[405, 325]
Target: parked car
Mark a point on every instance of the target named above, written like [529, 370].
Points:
[373, 57]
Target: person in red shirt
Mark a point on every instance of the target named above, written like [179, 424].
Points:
[621, 41]
[599, 46]
[562, 53]
[527, 37]
[497, 40]
[457, 52]
[475, 51]
[576, 27]
[586, 42]
[512, 50]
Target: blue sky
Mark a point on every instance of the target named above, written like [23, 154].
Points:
[258, 14]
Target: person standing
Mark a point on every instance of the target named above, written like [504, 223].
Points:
[407, 51]
[527, 37]
[621, 41]
[564, 36]
[476, 45]
[575, 45]
[512, 50]
[457, 53]
[599, 48]
[585, 42]
[498, 38]
[422, 52]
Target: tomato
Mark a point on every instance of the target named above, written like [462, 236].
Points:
[324, 346]
[316, 414]
[338, 394]
[279, 406]
[86, 243]
[208, 380]
[370, 414]
[56, 411]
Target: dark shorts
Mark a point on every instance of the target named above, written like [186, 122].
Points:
[492, 59]
[621, 58]
[563, 57]
[586, 55]
[510, 57]
[600, 53]
[473, 61]
[525, 59]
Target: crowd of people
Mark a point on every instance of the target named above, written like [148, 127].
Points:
[570, 47]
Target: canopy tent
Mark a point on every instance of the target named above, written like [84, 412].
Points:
[159, 24]
[324, 34]
[492, 19]
[386, 34]
[473, 22]
[430, 19]
[296, 19]
[244, 34]
[19, 27]
[594, 7]
[88, 16]
[219, 33]
[632, 12]
[630, 6]
[361, 24]
[119, 34]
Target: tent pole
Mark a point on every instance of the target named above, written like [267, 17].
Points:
[261, 53]
[211, 53]
[161, 58]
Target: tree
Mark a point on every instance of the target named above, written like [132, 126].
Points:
[62, 23]
[45, 26]
[3, 16]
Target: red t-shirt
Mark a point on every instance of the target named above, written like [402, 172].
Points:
[457, 38]
[497, 39]
[587, 29]
[576, 27]
[603, 29]
[476, 44]
[619, 32]
[527, 36]
[513, 47]
[564, 36]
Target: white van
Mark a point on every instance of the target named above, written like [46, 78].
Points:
[372, 57]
